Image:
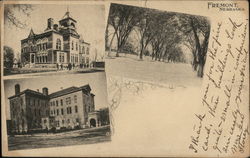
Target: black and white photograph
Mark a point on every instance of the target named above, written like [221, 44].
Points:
[53, 38]
[157, 46]
[52, 112]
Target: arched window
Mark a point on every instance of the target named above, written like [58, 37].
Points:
[58, 44]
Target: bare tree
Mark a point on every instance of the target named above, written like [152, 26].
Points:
[146, 30]
[13, 12]
[197, 28]
[123, 19]
[165, 33]
[8, 57]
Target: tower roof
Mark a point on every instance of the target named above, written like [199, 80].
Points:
[67, 15]
[31, 33]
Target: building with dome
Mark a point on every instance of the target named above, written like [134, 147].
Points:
[58, 44]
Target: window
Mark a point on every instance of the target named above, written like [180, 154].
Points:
[54, 111]
[45, 121]
[72, 45]
[57, 103]
[69, 110]
[83, 50]
[58, 44]
[76, 46]
[51, 112]
[57, 123]
[21, 100]
[75, 99]
[39, 112]
[57, 111]
[62, 121]
[77, 119]
[44, 46]
[61, 102]
[35, 112]
[76, 109]
[53, 103]
[62, 111]
[87, 60]
[61, 57]
[89, 108]
[87, 52]
[38, 102]
[68, 120]
[68, 100]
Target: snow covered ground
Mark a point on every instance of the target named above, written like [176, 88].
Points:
[156, 102]
[129, 66]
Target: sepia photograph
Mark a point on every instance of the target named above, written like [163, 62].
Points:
[147, 78]
[51, 112]
[157, 46]
[53, 38]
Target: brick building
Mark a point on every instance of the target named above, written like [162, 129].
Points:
[58, 44]
[69, 108]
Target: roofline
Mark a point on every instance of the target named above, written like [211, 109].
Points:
[27, 91]
[80, 89]
[49, 96]
[36, 35]
[63, 94]
[68, 18]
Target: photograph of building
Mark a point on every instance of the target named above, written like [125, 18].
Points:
[68, 108]
[57, 110]
[67, 39]
[58, 44]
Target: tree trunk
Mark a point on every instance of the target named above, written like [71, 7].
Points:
[118, 48]
[110, 45]
[200, 69]
[141, 52]
[117, 52]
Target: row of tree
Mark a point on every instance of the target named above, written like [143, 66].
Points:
[161, 35]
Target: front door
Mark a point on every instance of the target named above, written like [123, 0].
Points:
[92, 123]
[32, 58]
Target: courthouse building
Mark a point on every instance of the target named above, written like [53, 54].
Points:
[69, 108]
[58, 44]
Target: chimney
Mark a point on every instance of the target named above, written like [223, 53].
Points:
[55, 27]
[50, 23]
[45, 91]
[17, 89]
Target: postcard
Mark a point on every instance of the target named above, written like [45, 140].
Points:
[125, 78]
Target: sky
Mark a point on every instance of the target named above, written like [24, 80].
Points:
[90, 23]
[97, 82]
